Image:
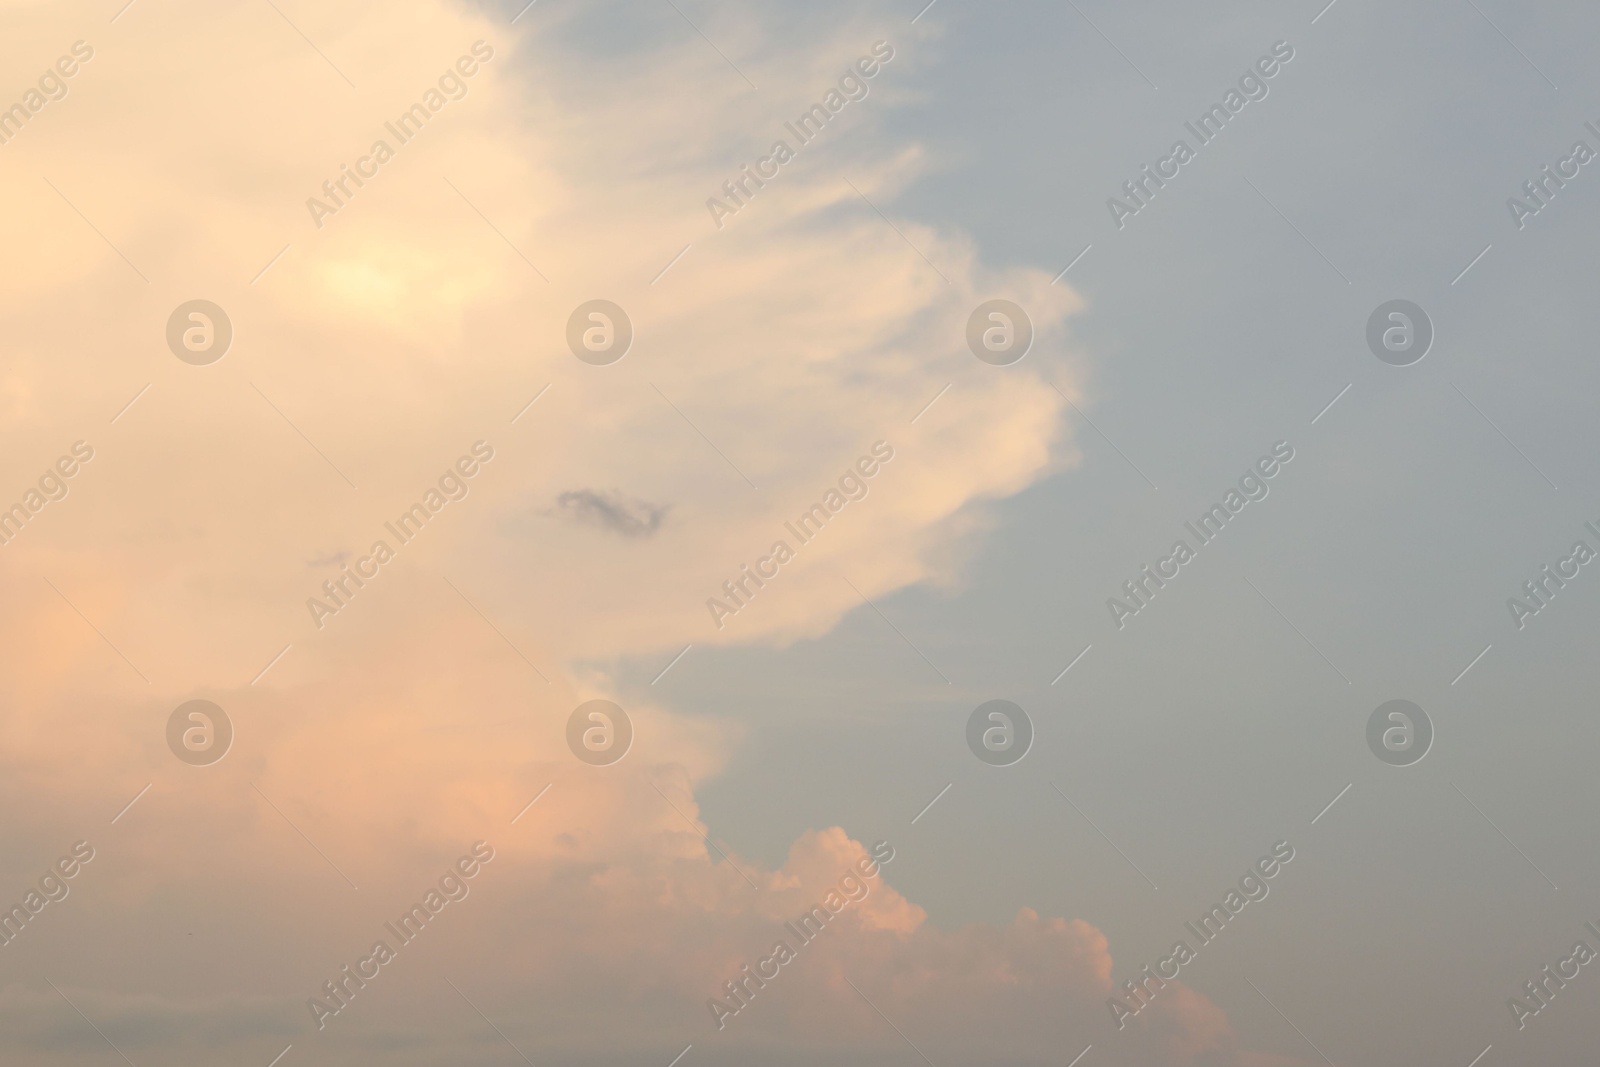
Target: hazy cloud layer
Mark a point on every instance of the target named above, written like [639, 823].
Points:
[381, 349]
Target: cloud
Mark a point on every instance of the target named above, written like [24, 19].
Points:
[379, 346]
[612, 511]
[370, 354]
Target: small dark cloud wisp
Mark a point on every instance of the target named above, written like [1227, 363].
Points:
[611, 511]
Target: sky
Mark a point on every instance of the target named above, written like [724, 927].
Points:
[475, 611]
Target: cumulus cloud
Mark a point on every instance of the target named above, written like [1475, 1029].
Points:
[369, 355]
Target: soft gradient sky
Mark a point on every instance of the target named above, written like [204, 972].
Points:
[768, 758]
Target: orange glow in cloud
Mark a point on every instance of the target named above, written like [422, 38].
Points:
[369, 353]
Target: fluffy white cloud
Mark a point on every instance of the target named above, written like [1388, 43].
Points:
[418, 319]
